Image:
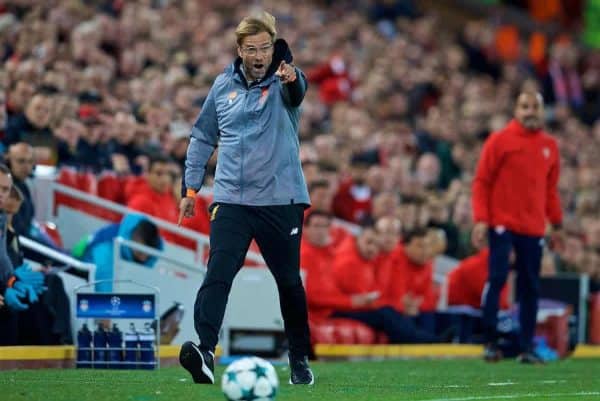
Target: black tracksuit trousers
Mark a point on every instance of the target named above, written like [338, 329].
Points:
[277, 231]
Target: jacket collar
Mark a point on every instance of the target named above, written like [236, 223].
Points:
[518, 128]
[281, 52]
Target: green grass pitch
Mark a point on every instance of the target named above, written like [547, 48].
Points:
[398, 380]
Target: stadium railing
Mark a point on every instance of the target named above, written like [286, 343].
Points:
[63, 266]
[77, 231]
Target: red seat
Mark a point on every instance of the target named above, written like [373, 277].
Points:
[556, 331]
[68, 177]
[342, 331]
[88, 183]
[323, 333]
[110, 187]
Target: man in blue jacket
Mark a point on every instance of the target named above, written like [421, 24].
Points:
[19, 286]
[98, 248]
[251, 113]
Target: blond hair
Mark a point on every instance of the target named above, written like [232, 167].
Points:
[255, 24]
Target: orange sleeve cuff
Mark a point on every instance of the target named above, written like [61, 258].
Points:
[190, 193]
[11, 281]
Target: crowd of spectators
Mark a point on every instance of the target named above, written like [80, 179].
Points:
[393, 122]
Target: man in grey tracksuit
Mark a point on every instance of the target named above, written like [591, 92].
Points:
[251, 114]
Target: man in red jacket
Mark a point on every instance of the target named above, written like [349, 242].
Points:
[410, 288]
[466, 281]
[514, 193]
[355, 271]
[154, 194]
[317, 253]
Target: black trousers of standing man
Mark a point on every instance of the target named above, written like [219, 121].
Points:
[277, 231]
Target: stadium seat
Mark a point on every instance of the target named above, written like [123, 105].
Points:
[87, 182]
[110, 187]
[323, 333]
[342, 331]
[556, 331]
[68, 177]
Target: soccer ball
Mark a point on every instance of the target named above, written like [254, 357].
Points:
[250, 379]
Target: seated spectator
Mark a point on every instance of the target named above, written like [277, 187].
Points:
[21, 161]
[410, 287]
[389, 233]
[352, 201]
[32, 126]
[321, 196]
[467, 281]
[321, 199]
[98, 248]
[47, 321]
[153, 195]
[316, 258]
[124, 151]
[355, 273]
[11, 207]
[19, 287]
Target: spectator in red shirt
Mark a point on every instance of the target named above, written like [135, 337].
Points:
[317, 254]
[388, 231]
[466, 282]
[321, 198]
[355, 272]
[514, 193]
[410, 287]
[352, 201]
[333, 79]
[154, 194]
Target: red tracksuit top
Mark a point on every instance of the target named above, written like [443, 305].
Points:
[467, 280]
[515, 185]
[323, 296]
[407, 277]
[354, 274]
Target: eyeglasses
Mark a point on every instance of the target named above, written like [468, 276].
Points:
[24, 161]
[253, 51]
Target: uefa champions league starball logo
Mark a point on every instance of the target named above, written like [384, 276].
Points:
[84, 305]
[147, 306]
[115, 302]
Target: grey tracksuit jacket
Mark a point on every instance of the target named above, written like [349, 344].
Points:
[256, 131]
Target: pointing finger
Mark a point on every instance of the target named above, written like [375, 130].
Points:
[280, 69]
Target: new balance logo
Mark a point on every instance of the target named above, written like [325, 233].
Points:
[294, 231]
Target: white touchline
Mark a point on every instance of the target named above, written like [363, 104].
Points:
[502, 384]
[517, 396]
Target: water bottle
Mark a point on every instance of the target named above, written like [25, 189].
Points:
[147, 339]
[100, 351]
[131, 348]
[115, 348]
[84, 347]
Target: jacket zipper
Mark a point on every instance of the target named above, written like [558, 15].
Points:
[247, 94]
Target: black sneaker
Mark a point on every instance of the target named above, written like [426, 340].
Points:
[300, 371]
[200, 363]
[491, 353]
[530, 358]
